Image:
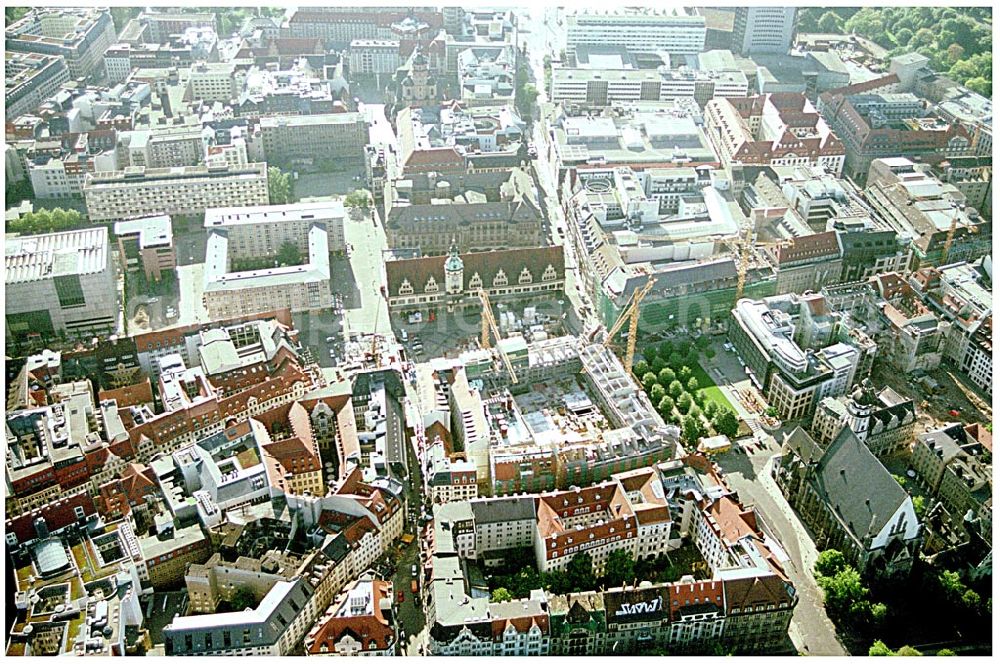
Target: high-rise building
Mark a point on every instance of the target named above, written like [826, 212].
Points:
[763, 30]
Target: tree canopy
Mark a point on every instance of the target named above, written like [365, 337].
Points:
[279, 186]
[46, 221]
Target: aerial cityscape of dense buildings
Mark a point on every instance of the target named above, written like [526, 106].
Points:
[498, 331]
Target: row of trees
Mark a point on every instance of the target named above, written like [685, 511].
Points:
[666, 376]
[958, 41]
[46, 221]
[620, 569]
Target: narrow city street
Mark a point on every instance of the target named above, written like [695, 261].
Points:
[811, 630]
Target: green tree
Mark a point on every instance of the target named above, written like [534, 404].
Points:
[666, 376]
[955, 53]
[695, 412]
[725, 422]
[243, 598]
[676, 360]
[358, 202]
[919, 506]
[657, 392]
[703, 342]
[691, 430]
[658, 365]
[580, 573]
[649, 354]
[666, 348]
[907, 651]
[980, 85]
[289, 254]
[640, 368]
[279, 187]
[711, 408]
[692, 384]
[684, 373]
[684, 402]
[665, 407]
[501, 595]
[649, 380]
[829, 562]
[771, 411]
[619, 568]
[830, 23]
[879, 649]
[710, 353]
[675, 389]
[841, 591]
[946, 652]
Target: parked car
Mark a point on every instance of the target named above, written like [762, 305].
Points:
[413, 571]
[400, 597]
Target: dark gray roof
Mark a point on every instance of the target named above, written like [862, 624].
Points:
[803, 445]
[470, 213]
[856, 486]
[492, 510]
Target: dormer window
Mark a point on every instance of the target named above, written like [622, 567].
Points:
[431, 286]
[500, 279]
[549, 274]
[406, 288]
[476, 282]
[525, 277]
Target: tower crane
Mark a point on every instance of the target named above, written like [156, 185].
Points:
[951, 236]
[490, 323]
[744, 247]
[630, 314]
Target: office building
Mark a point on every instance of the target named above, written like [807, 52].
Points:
[148, 245]
[60, 283]
[644, 30]
[776, 129]
[763, 30]
[240, 234]
[329, 136]
[29, 79]
[792, 353]
[80, 36]
[614, 87]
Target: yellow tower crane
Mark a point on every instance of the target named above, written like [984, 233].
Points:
[490, 323]
[631, 314]
[744, 248]
[951, 236]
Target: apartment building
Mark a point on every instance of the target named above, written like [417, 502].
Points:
[79, 36]
[60, 283]
[644, 30]
[323, 136]
[138, 191]
[763, 30]
[29, 79]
